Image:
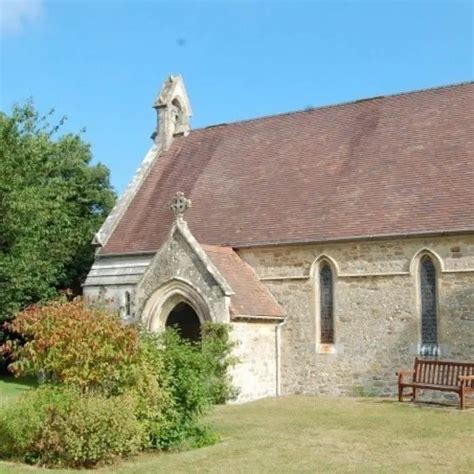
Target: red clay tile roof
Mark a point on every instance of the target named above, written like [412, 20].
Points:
[396, 165]
[251, 297]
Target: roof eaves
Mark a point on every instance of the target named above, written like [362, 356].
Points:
[405, 235]
[272, 243]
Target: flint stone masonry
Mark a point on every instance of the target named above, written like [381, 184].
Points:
[361, 257]
[377, 318]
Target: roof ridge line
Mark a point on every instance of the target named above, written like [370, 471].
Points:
[329, 106]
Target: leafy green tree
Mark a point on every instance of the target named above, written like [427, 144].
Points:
[52, 201]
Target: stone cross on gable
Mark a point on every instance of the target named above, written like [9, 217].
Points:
[179, 205]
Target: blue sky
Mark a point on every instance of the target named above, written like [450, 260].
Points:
[102, 62]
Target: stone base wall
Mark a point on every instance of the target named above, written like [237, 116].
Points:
[377, 310]
[256, 374]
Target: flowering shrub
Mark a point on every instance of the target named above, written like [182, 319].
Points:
[110, 390]
[70, 343]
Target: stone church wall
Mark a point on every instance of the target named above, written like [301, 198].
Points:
[255, 376]
[377, 314]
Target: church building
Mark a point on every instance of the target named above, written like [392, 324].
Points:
[337, 242]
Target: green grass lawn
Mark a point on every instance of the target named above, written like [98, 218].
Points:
[310, 434]
[11, 387]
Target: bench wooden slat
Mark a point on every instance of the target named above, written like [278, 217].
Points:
[439, 379]
[436, 374]
[452, 375]
[433, 386]
[464, 371]
[427, 372]
[454, 379]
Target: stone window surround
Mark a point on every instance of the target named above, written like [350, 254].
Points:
[324, 348]
[415, 272]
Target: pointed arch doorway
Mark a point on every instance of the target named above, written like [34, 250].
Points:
[185, 320]
[176, 304]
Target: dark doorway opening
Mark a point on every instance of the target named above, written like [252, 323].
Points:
[186, 321]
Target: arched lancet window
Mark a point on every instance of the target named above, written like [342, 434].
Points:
[429, 300]
[128, 304]
[326, 304]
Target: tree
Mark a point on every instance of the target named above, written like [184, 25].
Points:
[52, 201]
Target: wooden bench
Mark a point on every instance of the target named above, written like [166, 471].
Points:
[447, 376]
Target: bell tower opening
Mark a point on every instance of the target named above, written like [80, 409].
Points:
[177, 116]
[183, 318]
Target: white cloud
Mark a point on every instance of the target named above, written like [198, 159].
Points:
[16, 15]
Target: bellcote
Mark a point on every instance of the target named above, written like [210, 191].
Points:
[173, 112]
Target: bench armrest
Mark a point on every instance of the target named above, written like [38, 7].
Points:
[464, 379]
[402, 373]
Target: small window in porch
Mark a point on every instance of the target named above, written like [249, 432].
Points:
[128, 304]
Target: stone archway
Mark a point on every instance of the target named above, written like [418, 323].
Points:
[184, 318]
[180, 301]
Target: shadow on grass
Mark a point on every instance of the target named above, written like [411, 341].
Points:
[385, 400]
[27, 382]
[11, 388]
[450, 404]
